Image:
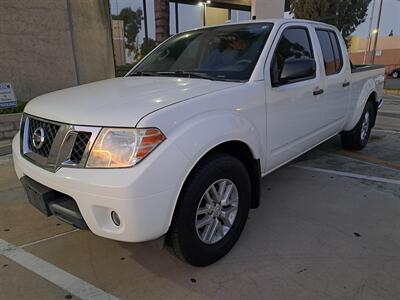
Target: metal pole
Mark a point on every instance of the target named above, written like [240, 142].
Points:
[337, 15]
[377, 32]
[176, 18]
[368, 46]
[146, 32]
[204, 14]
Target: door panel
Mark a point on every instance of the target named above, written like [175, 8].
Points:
[336, 83]
[294, 113]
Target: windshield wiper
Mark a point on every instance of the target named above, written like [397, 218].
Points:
[187, 74]
[144, 73]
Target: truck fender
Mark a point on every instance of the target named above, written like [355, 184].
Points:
[197, 136]
[368, 89]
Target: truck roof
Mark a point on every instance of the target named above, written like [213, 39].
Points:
[278, 21]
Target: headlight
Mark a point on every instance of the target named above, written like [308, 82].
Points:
[123, 147]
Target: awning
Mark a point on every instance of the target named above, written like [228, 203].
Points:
[228, 4]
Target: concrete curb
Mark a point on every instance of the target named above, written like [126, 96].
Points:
[392, 92]
[5, 147]
[9, 125]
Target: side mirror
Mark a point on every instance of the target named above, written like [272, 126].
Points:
[297, 68]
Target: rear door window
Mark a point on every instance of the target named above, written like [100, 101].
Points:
[331, 52]
[337, 51]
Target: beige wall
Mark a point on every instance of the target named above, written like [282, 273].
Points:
[118, 42]
[92, 39]
[215, 16]
[389, 58]
[267, 9]
[46, 45]
[384, 43]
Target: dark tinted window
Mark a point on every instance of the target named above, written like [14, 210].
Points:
[337, 51]
[331, 51]
[226, 52]
[294, 43]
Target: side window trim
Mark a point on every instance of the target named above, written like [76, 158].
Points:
[312, 52]
[333, 50]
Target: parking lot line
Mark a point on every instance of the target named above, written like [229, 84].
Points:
[370, 159]
[351, 175]
[48, 238]
[55, 275]
[386, 130]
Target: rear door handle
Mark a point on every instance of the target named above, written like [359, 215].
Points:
[346, 84]
[318, 92]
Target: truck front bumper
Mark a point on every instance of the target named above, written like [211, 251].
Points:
[143, 196]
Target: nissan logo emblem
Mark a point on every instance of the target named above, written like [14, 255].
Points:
[38, 138]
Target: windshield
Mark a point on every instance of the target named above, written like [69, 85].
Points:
[218, 53]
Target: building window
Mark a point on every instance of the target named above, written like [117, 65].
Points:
[239, 15]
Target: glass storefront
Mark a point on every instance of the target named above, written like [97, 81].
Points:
[133, 25]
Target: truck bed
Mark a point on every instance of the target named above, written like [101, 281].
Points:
[362, 68]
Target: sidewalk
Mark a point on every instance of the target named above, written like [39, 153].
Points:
[5, 147]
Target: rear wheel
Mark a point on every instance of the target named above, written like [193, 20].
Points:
[357, 138]
[395, 74]
[212, 211]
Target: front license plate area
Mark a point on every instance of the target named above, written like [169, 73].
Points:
[38, 195]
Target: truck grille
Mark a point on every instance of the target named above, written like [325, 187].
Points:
[78, 150]
[50, 131]
[52, 145]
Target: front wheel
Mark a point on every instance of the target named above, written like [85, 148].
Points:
[212, 210]
[357, 138]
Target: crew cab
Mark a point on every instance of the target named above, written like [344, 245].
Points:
[178, 146]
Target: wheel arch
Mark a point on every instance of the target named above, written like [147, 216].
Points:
[368, 94]
[373, 98]
[241, 151]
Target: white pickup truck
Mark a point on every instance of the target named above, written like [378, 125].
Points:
[178, 146]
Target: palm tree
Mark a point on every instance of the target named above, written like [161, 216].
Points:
[161, 12]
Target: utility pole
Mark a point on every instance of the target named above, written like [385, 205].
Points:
[368, 46]
[146, 32]
[377, 32]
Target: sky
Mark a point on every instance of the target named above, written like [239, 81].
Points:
[190, 16]
[390, 18]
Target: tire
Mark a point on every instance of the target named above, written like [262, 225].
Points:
[357, 138]
[186, 238]
[395, 74]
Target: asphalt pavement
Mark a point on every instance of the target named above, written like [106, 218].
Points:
[392, 83]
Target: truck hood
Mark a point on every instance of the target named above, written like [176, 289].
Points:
[119, 102]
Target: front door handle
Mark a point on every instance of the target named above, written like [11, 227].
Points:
[346, 84]
[318, 92]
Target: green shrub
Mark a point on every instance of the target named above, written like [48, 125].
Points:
[120, 71]
[20, 108]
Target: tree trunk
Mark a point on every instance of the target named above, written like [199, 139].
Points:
[161, 12]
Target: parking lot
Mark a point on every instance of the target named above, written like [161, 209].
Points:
[328, 227]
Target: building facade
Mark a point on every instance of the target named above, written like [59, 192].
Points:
[49, 45]
[387, 53]
[162, 18]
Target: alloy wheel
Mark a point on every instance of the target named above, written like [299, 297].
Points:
[217, 211]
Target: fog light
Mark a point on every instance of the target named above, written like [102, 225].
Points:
[115, 218]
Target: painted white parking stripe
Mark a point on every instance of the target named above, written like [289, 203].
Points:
[55, 275]
[352, 175]
[49, 238]
[386, 130]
